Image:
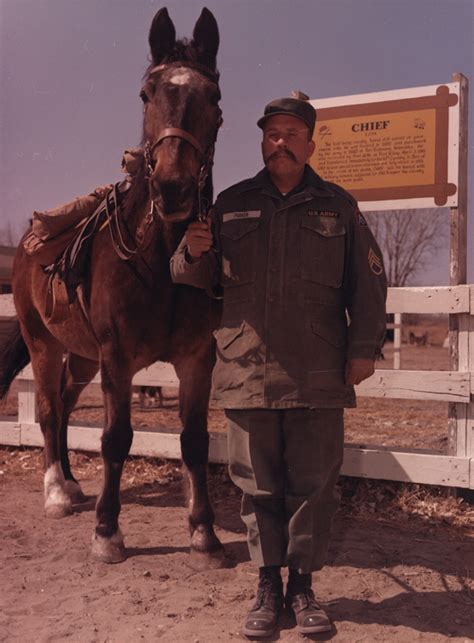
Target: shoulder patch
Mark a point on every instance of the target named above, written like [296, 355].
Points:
[375, 262]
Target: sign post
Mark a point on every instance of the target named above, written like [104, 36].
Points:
[460, 415]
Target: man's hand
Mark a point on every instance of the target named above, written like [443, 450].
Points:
[198, 238]
[358, 370]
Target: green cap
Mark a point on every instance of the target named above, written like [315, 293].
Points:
[301, 109]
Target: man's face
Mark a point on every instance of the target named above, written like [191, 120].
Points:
[285, 145]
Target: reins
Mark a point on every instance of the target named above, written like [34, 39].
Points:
[111, 209]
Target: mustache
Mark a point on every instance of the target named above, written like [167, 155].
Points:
[278, 153]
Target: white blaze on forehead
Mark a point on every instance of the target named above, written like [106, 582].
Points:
[181, 77]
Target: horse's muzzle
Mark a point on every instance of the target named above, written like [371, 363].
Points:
[173, 199]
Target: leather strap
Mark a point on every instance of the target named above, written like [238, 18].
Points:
[175, 132]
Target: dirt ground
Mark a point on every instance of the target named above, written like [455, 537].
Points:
[400, 566]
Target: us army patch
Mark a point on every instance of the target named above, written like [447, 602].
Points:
[375, 263]
[360, 218]
[247, 214]
[322, 213]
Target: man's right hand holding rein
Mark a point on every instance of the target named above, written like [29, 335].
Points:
[198, 239]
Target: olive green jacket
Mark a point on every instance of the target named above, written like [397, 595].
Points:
[304, 291]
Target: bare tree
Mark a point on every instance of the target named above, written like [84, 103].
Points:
[7, 236]
[408, 239]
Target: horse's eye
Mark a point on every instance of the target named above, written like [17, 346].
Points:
[143, 96]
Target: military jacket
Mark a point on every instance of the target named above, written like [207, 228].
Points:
[304, 290]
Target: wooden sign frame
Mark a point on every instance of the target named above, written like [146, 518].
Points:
[384, 188]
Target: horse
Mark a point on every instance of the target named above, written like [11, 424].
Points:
[132, 314]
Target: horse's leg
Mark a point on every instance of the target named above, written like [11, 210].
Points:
[77, 373]
[206, 549]
[46, 359]
[107, 542]
[159, 392]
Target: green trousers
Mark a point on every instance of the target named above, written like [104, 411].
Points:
[287, 462]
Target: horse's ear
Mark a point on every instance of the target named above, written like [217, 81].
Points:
[206, 38]
[162, 36]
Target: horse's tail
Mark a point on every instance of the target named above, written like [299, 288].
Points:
[14, 356]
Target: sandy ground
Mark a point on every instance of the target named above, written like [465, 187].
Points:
[400, 566]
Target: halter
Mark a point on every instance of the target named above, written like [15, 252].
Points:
[206, 155]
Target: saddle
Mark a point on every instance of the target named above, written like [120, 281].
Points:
[67, 273]
[61, 239]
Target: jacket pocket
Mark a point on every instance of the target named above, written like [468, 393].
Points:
[239, 240]
[334, 334]
[241, 343]
[326, 355]
[226, 336]
[322, 250]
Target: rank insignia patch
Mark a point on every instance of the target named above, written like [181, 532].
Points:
[323, 213]
[375, 263]
[361, 219]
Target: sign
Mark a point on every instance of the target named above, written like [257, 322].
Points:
[391, 150]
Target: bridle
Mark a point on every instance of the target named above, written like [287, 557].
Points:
[207, 160]
[206, 154]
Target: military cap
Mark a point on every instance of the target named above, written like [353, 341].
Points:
[301, 109]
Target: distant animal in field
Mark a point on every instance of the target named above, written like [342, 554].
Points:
[418, 338]
[147, 397]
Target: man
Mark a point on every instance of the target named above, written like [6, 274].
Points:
[303, 320]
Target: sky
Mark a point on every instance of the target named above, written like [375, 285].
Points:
[70, 76]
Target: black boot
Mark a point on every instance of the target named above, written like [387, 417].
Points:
[310, 616]
[262, 619]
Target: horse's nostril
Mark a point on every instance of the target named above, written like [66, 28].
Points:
[170, 190]
[174, 193]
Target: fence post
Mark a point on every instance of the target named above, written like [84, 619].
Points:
[26, 402]
[397, 340]
[469, 447]
[457, 414]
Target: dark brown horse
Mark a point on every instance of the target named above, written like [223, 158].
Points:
[136, 315]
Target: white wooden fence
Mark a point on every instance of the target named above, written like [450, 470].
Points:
[455, 469]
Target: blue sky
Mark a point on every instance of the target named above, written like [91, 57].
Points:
[71, 71]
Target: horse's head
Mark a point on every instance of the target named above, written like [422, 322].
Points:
[181, 113]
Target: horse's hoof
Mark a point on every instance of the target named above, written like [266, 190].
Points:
[57, 510]
[108, 550]
[204, 560]
[74, 491]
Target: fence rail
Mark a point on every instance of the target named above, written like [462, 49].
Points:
[455, 469]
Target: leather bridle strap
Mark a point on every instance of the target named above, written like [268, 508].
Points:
[175, 132]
